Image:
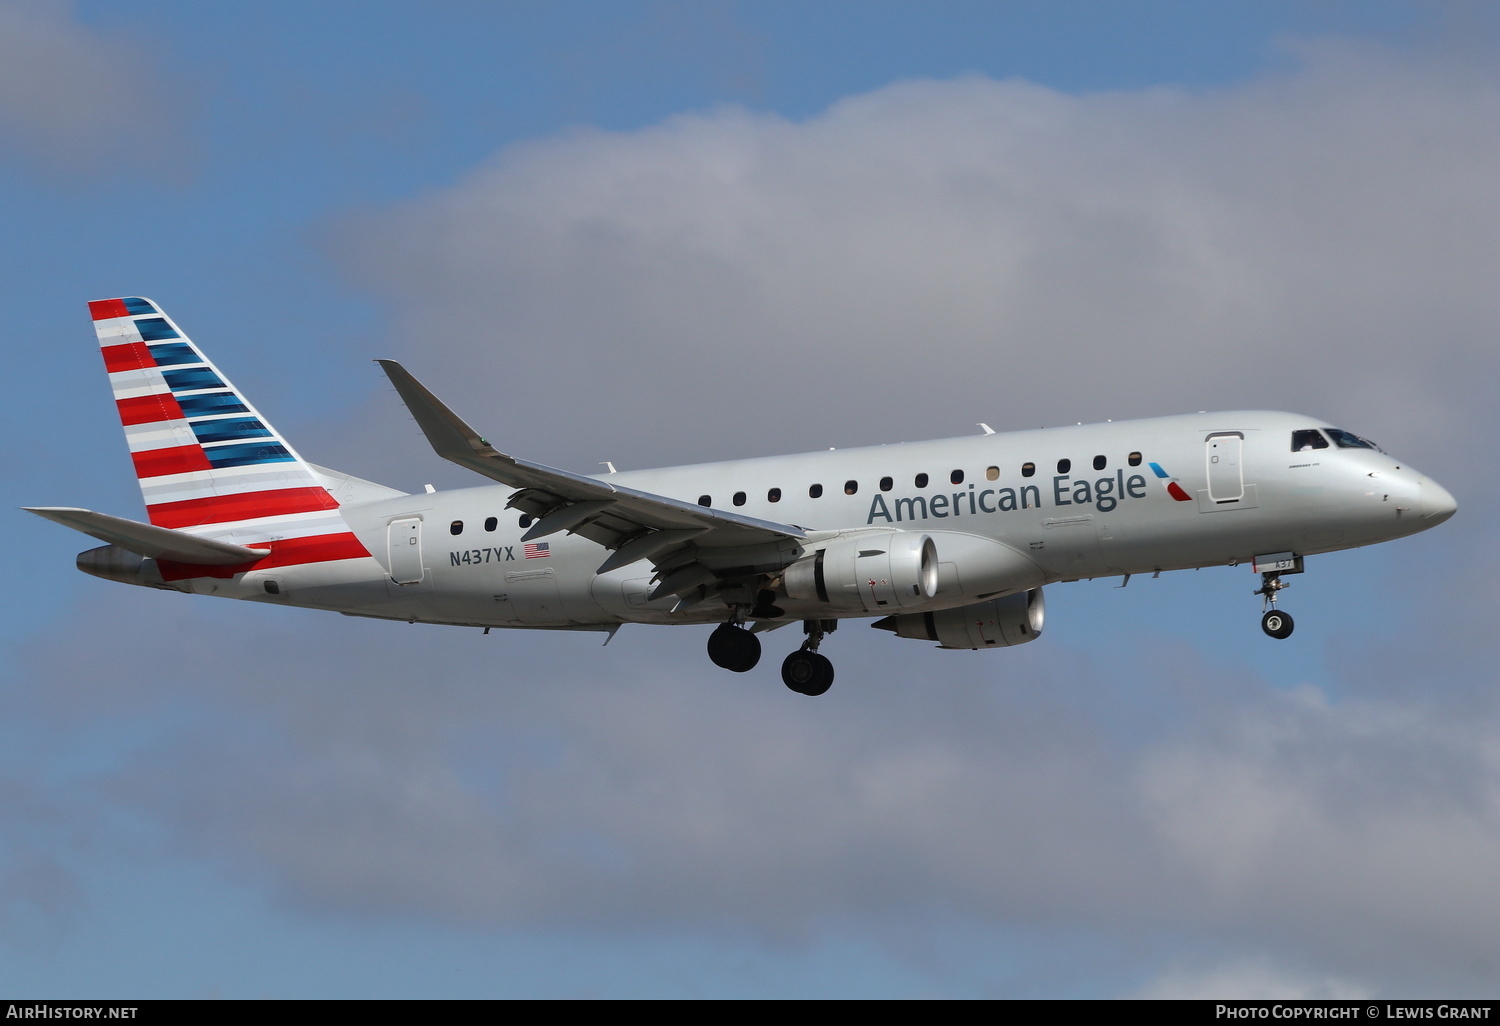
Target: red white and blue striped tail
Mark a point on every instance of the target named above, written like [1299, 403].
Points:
[209, 464]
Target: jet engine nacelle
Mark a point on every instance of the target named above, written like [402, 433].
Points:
[1013, 620]
[872, 571]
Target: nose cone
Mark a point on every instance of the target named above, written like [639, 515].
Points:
[1437, 503]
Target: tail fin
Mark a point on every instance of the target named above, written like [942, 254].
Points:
[208, 463]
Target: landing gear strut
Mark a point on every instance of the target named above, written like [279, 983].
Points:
[1274, 622]
[733, 648]
[805, 671]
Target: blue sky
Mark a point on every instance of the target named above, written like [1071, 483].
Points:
[676, 232]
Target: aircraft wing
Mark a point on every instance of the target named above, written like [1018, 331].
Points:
[634, 523]
[148, 540]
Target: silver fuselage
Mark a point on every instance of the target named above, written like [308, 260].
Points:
[1233, 490]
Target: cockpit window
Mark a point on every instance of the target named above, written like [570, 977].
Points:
[1309, 438]
[1345, 440]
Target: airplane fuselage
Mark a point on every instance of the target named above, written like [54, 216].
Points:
[1095, 500]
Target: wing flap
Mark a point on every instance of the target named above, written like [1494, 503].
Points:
[148, 540]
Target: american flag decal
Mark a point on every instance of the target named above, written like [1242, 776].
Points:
[537, 550]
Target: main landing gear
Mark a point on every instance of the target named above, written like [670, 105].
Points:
[1274, 622]
[805, 671]
[733, 648]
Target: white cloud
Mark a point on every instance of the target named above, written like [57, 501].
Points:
[1357, 831]
[519, 780]
[1252, 980]
[936, 253]
[74, 98]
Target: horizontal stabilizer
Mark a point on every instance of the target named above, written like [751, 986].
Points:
[146, 540]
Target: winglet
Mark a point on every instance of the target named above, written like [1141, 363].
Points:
[451, 437]
[455, 441]
[542, 491]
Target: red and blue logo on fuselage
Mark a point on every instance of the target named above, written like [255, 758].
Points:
[1174, 489]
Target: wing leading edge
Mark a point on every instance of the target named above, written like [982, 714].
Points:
[675, 536]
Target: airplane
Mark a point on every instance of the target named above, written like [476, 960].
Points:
[948, 541]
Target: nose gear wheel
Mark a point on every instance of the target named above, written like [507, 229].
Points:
[1277, 624]
[1274, 622]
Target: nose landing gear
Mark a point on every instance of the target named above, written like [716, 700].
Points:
[1270, 567]
[1274, 622]
[805, 671]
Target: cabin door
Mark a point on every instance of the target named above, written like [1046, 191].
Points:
[1226, 478]
[405, 539]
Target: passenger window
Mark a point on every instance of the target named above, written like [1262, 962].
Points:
[957, 477]
[739, 498]
[886, 484]
[705, 500]
[850, 487]
[1063, 466]
[1028, 470]
[992, 473]
[490, 523]
[1135, 459]
[774, 495]
[921, 481]
[1307, 439]
[525, 520]
[1100, 462]
[815, 491]
[457, 527]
